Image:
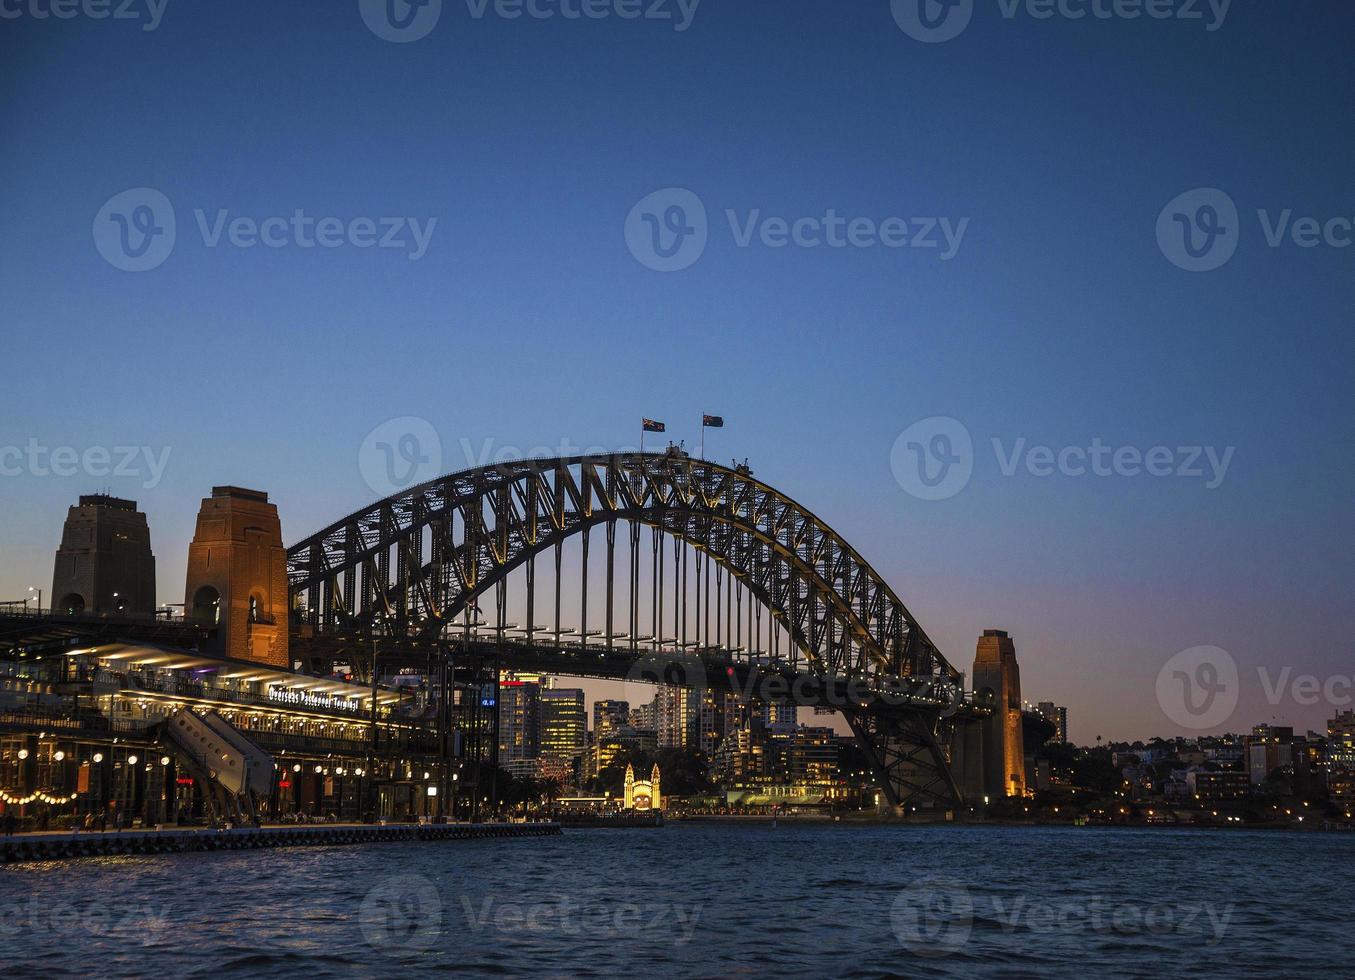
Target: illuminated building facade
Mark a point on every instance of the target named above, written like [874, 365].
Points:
[1341, 758]
[564, 728]
[642, 794]
[691, 718]
[608, 716]
[996, 671]
[1268, 747]
[237, 577]
[1056, 715]
[1216, 787]
[79, 739]
[605, 749]
[519, 721]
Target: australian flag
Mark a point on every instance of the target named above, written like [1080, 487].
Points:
[651, 426]
[713, 421]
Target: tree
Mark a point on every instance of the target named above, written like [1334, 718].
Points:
[1094, 770]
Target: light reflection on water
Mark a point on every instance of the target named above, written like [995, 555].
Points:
[703, 900]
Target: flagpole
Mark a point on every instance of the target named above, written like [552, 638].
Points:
[703, 438]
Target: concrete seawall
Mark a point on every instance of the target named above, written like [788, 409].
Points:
[54, 847]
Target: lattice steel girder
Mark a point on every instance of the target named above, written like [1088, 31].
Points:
[481, 524]
[905, 751]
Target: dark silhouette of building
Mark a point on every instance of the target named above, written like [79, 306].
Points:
[104, 563]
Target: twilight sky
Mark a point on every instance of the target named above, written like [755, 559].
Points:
[524, 307]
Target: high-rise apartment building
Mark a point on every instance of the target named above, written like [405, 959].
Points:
[564, 724]
[519, 721]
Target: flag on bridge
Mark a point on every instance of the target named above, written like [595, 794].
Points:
[651, 426]
[709, 422]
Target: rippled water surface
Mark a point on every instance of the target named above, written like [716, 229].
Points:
[705, 900]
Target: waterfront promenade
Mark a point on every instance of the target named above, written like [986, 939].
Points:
[76, 844]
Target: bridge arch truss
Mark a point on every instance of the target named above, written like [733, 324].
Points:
[416, 564]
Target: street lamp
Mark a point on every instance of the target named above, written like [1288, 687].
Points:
[39, 592]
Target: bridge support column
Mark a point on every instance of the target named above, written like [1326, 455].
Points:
[237, 577]
[909, 761]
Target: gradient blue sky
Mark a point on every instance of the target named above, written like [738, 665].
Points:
[528, 323]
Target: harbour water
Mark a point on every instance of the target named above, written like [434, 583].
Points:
[698, 899]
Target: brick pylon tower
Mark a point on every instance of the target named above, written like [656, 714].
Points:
[237, 576]
[104, 564]
[1003, 749]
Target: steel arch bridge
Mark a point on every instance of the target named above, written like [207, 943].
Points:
[410, 571]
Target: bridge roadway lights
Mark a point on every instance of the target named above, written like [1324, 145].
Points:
[54, 847]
